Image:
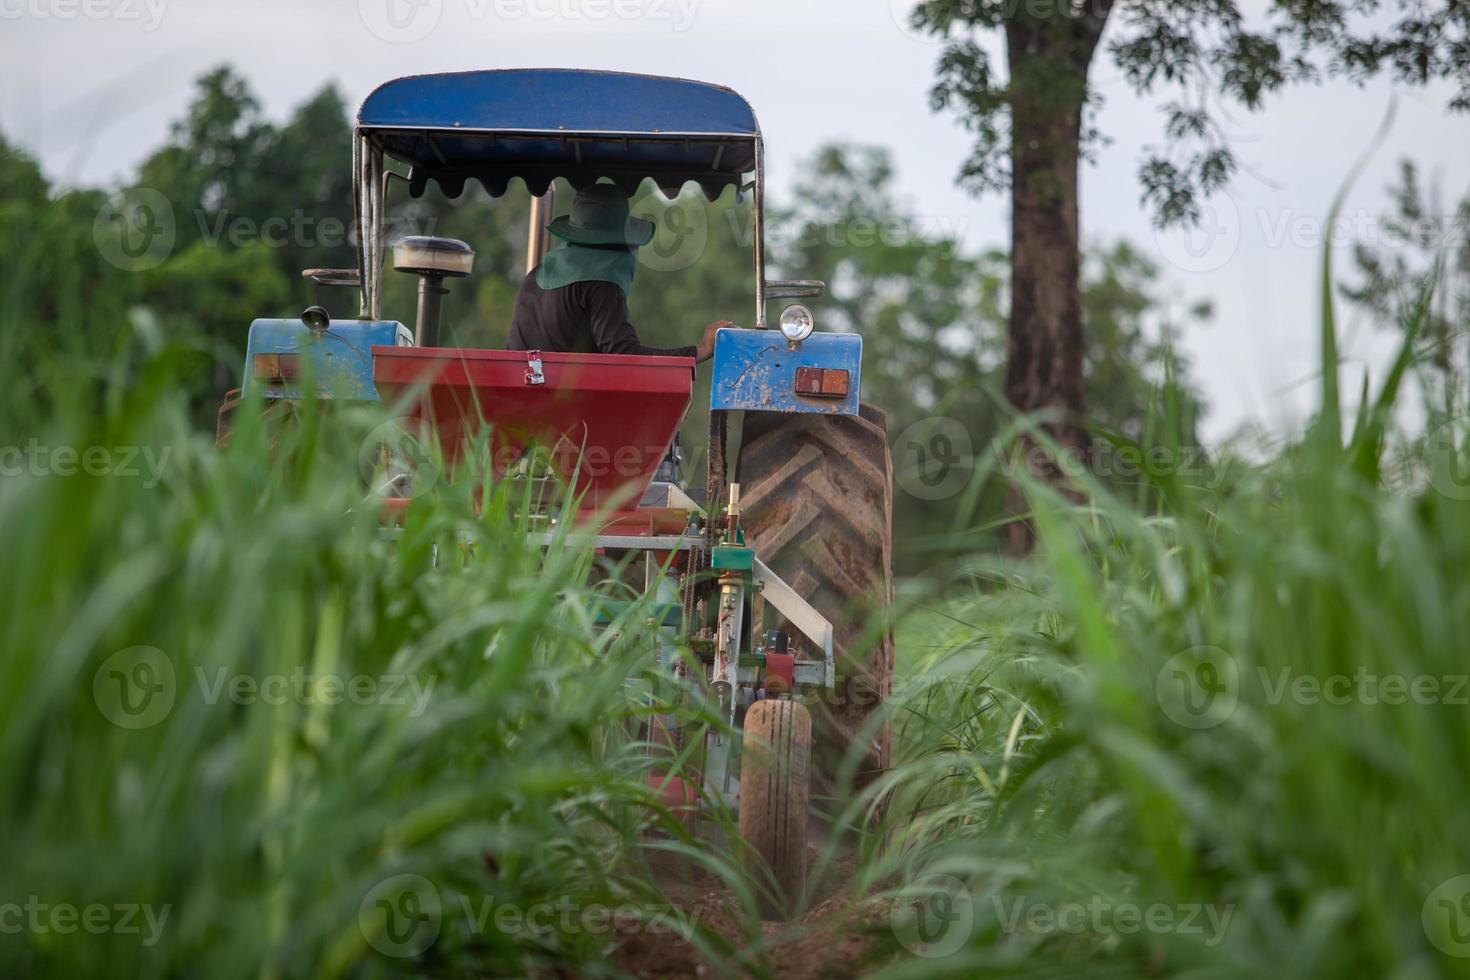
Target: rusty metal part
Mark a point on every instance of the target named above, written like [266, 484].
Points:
[719, 429]
[694, 569]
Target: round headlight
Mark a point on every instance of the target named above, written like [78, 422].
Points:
[797, 323]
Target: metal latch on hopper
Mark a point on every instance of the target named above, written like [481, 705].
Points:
[534, 375]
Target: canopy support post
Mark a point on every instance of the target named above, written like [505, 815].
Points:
[760, 234]
[538, 239]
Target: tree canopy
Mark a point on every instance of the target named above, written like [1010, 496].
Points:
[1200, 54]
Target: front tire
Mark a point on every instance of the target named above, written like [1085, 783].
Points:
[775, 795]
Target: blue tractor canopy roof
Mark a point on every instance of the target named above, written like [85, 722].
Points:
[541, 124]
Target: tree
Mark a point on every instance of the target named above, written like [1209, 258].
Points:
[1419, 246]
[933, 316]
[1031, 126]
[214, 155]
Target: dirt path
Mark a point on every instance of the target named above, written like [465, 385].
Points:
[834, 939]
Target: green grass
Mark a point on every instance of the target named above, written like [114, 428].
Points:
[1049, 760]
[495, 756]
[1312, 796]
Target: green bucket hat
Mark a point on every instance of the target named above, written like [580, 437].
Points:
[600, 217]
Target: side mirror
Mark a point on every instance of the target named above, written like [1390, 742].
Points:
[794, 288]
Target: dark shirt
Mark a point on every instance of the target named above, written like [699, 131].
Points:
[583, 318]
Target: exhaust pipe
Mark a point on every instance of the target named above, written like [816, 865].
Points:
[433, 260]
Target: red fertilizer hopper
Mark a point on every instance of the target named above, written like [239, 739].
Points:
[605, 421]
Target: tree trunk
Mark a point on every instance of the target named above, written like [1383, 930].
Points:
[1048, 64]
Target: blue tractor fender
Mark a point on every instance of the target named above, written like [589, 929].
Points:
[339, 359]
[758, 371]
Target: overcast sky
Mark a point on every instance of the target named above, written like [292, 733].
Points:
[90, 86]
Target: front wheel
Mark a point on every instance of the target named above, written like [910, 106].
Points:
[775, 794]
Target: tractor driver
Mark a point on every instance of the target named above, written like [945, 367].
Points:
[576, 300]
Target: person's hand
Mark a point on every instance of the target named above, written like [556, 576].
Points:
[705, 349]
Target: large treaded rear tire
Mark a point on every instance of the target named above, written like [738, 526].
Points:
[775, 794]
[817, 507]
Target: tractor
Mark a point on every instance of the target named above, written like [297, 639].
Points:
[777, 584]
